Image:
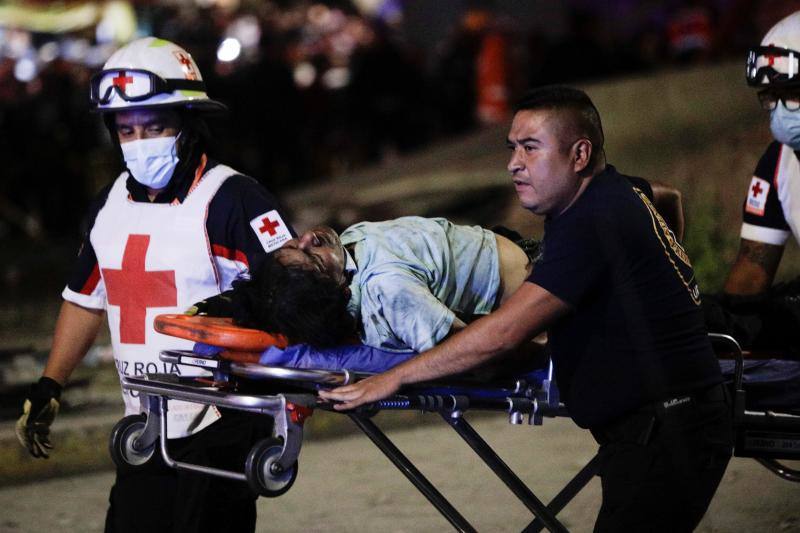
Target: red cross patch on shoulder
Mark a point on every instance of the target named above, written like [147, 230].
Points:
[271, 230]
[757, 196]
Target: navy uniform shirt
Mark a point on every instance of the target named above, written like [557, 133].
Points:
[635, 334]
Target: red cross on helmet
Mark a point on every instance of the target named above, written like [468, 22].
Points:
[150, 72]
[776, 62]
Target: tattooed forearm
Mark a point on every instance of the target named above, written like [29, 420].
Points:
[754, 269]
[767, 256]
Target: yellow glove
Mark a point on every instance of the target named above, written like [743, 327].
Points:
[38, 413]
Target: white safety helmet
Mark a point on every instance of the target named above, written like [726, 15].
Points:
[147, 73]
[776, 63]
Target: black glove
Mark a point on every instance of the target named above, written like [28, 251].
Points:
[38, 412]
[236, 303]
[220, 305]
[781, 316]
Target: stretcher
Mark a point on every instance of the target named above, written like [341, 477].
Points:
[289, 396]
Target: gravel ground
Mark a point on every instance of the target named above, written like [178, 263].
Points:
[347, 485]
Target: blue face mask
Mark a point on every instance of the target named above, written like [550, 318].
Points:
[151, 162]
[785, 126]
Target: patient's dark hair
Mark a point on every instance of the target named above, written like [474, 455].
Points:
[305, 306]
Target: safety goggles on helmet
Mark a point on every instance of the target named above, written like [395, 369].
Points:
[772, 65]
[135, 85]
[769, 100]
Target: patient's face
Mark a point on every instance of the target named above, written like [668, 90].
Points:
[318, 249]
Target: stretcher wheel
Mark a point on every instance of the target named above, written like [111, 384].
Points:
[120, 444]
[262, 469]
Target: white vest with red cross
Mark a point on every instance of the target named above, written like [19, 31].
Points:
[154, 259]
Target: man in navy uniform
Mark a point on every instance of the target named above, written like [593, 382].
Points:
[617, 295]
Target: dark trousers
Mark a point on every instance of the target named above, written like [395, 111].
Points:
[155, 498]
[661, 467]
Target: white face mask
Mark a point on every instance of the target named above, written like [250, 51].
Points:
[785, 126]
[151, 162]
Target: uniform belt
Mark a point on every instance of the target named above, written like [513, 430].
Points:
[715, 393]
[639, 425]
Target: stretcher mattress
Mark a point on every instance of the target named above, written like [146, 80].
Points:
[770, 383]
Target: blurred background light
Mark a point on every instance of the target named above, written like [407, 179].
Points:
[246, 30]
[229, 49]
[117, 23]
[304, 74]
[96, 56]
[49, 17]
[17, 43]
[336, 78]
[48, 52]
[75, 49]
[25, 69]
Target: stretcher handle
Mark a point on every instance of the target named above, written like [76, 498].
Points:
[215, 331]
[732, 348]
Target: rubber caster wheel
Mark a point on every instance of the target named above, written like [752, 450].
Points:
[263, 472]
[120, 443]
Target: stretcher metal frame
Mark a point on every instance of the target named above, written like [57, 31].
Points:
[763, 435]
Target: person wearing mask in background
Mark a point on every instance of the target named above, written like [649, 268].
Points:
[758, 314]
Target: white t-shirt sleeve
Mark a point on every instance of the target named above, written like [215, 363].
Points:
[96, 299]
[754, 232]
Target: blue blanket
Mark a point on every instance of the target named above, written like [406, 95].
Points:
[356, 357]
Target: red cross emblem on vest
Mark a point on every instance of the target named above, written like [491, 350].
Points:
[269, 226]
[135, 289]
[757, 190]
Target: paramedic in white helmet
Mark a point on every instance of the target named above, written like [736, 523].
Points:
[761, 315]
[174, 228]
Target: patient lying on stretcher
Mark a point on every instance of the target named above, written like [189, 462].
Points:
[398, 286]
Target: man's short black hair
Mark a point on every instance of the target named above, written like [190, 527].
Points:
[304, 305]
[585, 117]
